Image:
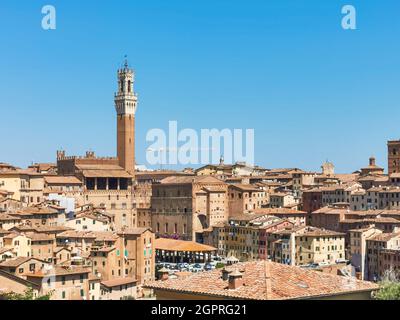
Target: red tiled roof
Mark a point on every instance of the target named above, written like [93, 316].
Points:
[265, 280]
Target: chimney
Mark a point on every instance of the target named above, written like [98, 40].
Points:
[235, 280]
[163, 274]
[225, 274]
[372, 161]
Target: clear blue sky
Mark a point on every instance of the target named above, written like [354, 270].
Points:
[311, 90]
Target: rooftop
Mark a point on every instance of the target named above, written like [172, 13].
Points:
[265, 280]
[180, 245]
[118, 282]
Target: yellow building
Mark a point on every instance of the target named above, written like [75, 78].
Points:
[306, 245]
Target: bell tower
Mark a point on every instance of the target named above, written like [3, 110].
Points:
[125, 105]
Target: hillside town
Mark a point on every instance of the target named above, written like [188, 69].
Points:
[103, 228]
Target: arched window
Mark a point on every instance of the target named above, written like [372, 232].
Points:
[129, 86]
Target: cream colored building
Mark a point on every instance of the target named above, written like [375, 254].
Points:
[306, 245]
[281, 200]
[374, 245]
[89, 222]
[65, 283]
[119, 289]
[26, 185]
[358, 248]
[20, 243]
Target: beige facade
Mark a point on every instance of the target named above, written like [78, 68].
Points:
[26, 186]
[306, 245]
[22, 267]
[119, 289]
[245, 198]
[185, 207]
[89, 223]
[20, 243]
[375, 245]
[64, 283]
[358, 248]
[12, 283]
[281, 200]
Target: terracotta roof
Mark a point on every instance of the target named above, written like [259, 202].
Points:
[3, 232]
[16, 262]
[39, 236]
[103, 249]
[218, 189]
[17, 279]
[76, 234]
[5, 249]
[132, 231]
[317, 232]
[58, 249]
[51, 229]
[106, 174]
[279, 211]
[384, 236]
[265, 280]
[60, 271]
[93, 277]
[180, 245]
[81, 166]
[35, 211]
[14, 235]
[245, 187]
[62, 180]
[7, 217]
[105, 235]
[190, 180]
[118, 282]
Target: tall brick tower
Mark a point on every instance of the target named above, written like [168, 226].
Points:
[125, 105]
[394, 156]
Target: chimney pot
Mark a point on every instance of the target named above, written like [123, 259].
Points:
[235, 280]
[164, 274]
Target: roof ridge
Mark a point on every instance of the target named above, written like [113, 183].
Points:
[268, 283]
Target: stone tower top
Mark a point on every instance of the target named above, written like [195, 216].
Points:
[125, 97]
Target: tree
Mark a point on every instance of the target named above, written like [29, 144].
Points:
[389, 286]
[27, 295]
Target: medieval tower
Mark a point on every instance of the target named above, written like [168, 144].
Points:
[125, 106]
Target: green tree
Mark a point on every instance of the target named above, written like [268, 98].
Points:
[27, 295]
[389, 286]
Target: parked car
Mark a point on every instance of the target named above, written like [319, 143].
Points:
[174, 267]
[323, 264]
[208, 267]
[341, 261]
[181, 265]
[197, 268]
